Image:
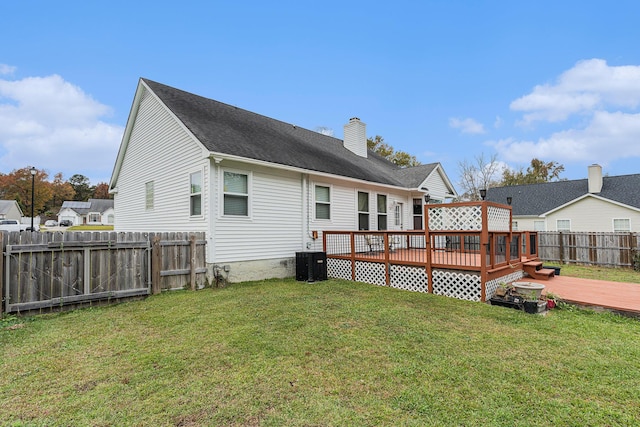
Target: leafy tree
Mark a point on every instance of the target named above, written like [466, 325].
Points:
[537, 172]
[102, 191]
[60, 191]
[481, 173]
[81, 186]
[17, 186]
[400, 158]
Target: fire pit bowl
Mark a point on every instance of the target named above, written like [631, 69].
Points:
[529, 290]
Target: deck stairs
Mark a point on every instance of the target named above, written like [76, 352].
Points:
[534, 269]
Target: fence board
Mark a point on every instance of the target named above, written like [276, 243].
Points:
[607, 249]
[52, 269]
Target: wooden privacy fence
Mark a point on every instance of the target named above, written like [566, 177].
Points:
[48, 270]
[609, 249]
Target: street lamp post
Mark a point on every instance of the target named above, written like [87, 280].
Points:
[33, 187]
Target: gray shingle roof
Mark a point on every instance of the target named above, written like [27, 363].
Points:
[226, 129]
[6, 205]
[92, 205]
[537, 199]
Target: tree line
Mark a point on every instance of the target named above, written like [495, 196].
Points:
[48, 196]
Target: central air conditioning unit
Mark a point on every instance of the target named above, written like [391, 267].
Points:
[311, 266]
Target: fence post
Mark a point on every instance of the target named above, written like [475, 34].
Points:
[156, 265]
[561, 244]
[192, 263]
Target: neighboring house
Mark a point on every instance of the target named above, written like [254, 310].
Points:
[10, 209]
[260, 188]
[92, 212]
[596, 204]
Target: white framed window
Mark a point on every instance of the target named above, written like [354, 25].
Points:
[235, 193]
[621, 225]
[539, 226]
[94, 217]
[382, 212]
[563, 225]
[110, 219]
[417, 214]
[514, 225]
[148, 195]
[397, 221]
[195, 190]
[323, 202]
[363, 210]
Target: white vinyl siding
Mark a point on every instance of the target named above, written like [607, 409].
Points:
[159, 150]
[273, 229]
[539, 226]
[592, 214]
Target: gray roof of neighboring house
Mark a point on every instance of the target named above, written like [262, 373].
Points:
[226, 129]
[92, 205]
[537, 199]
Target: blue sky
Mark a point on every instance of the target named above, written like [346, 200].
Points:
[446, 81]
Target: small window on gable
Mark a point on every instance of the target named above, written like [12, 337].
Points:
[621, 225]
[563, 225]
[148, 193]
[323, 202]
[236, 194]
[196, 194]
[363, 210]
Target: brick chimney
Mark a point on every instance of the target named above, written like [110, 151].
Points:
[595, 178]
[355, 137]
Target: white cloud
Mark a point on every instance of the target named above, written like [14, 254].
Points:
[6, 69]
[591, 85]
[607, 137]
[498, 122]
[466, 125]
[51, 124]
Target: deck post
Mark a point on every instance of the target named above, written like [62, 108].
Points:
[353, 255]
[484, 242]
[427, 245]
[387, 265]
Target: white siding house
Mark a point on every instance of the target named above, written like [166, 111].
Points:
[259, 188]
[91, 212]
[596, 204]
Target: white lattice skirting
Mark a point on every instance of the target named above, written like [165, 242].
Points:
[339, 268]
[409, 278]
[460, 285]
[464, 286]
[492, 285]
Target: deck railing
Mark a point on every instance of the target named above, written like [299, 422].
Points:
[471, 237]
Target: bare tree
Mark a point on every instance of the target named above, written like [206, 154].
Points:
[480, 173]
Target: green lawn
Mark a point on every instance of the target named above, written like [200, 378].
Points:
[627, 275]
[331, 353]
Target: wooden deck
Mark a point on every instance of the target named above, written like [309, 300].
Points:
[614, 296]
[419, 256]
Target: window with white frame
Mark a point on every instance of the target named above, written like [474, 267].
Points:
[236, 194]
[417, 214]
[621, 224]
[94, 217]
[382, 212]
[323, 202]
[363, 210]
[563, 225]
[195, 199]
[514, 225]
[398, 215]
[539, 226]
[148, 195]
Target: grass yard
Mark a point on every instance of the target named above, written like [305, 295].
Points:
[332, 353]
[626, 275]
